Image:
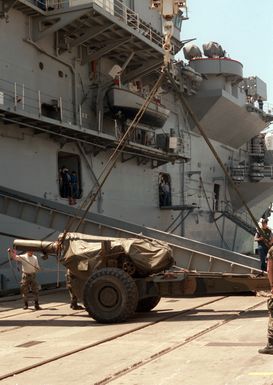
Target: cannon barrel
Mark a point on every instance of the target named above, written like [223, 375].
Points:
[46, 247]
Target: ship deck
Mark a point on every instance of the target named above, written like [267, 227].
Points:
[208, 340]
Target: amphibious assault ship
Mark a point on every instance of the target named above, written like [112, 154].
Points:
[73, 74]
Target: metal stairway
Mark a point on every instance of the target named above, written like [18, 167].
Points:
[45, 214]
[240, 222]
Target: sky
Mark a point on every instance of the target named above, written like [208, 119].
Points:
[244, 28]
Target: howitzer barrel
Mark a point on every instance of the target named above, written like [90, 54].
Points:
[34, 245]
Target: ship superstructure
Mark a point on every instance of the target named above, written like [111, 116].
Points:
[72, 77]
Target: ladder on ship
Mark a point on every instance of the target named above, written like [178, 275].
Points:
[40, 216]
[238, 221]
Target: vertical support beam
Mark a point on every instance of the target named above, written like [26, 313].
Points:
[61, 108]
[39, 103]
[90, 168]
[15, 95]
[23, 97]
[80, 114]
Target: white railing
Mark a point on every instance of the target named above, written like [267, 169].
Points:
[268, 108]
[115, 8]
[241, 172]
[18, 97]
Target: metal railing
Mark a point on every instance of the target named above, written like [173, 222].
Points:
[38, 105]
[241, 216]
[18, 97]
[239, 173]
[115, 8]
[267, 107]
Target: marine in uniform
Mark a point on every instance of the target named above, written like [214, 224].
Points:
[264, 238]
[268, 349]
[69, 284]
[30, 267]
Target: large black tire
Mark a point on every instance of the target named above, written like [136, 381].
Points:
[147, 304]
[110, 295]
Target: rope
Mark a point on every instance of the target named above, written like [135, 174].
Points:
[211, 211]
[112, 160]
[202, 132]
[12, 270]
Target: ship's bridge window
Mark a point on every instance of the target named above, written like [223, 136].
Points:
[178, 20]
[69, 176]
[164, 188]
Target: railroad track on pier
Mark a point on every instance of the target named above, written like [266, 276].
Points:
[128, 329]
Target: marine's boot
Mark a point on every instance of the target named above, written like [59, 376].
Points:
[269, 347]
[25, 307]
[37, 306]
[74, 305]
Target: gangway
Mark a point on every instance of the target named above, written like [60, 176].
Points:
[53, 216]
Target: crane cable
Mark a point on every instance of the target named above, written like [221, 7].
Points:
[113, 159]
[168, 29]
[204, 135]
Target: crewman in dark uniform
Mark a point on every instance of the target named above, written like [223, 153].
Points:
[264, 238]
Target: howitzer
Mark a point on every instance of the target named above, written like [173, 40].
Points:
[115, 277]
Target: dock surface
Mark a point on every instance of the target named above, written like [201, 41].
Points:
[191, 341]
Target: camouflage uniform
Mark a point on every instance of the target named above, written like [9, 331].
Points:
[73, 298]
[270, 306]
[29, 281]
[30, 266]
[269, 347]
[270, 321]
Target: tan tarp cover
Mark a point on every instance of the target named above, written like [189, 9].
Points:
[83, 253]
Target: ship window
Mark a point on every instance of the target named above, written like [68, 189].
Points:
[41, 65]
[164, 188]
[69, 167]
[178, 20]
[216, 191]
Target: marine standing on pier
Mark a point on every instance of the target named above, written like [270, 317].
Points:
[264, 238]
[269, 347]
[69, 284]
[30, 267]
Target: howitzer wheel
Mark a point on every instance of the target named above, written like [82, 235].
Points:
[110, 295]
[147, 304]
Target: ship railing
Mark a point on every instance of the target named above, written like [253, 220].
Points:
[256, 149]
[35, 104]
[239, 173]
[268, 108]
[242, 214]
[268, 171]
[20, 98]
[118, 9]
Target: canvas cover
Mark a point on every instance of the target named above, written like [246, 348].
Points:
[83, 254]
